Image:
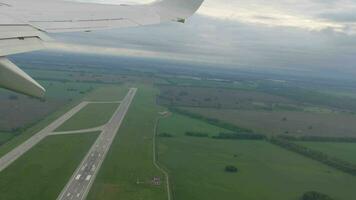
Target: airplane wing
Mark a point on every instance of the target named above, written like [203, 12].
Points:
[24, 24]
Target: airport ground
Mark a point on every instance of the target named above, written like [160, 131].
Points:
[195, 164]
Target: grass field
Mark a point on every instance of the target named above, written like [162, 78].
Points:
[343, 151]
[282, 122]
[108, 93]
[90, 116]
[43, 171]
[196, 166]
[5, 136]
[130, 158]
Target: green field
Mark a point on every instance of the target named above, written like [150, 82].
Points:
[4, 137]
[45, 169]
[286, 122]
[130, 158]
[268, 172]
[108, 93]
[343, 151]
[90, 116]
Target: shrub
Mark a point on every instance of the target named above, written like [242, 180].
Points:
[196, 134]
[231, 169]
[164, 134]
[312, 195]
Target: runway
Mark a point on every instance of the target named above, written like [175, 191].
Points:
[84, 176]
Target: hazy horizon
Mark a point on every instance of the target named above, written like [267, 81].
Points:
[308, 37]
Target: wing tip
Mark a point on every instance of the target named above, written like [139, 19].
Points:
[13, 78]
[177, 9]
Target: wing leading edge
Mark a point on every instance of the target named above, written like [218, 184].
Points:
[23, 25]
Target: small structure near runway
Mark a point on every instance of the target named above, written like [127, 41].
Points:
[156, 181]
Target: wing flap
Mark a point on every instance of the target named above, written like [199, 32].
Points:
[83, 25]
[15, 45]
[18, 38]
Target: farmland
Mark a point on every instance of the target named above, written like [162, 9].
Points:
[195, 151]
[261, 111]
[196, 166]
[286, 122]
[219, 98]
[59, 94]
[343, 151]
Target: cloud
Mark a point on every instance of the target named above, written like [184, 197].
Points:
[343, 17]
[227, 44]
[303, 36]
[315, 15]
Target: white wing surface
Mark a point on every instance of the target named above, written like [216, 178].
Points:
[24, 24]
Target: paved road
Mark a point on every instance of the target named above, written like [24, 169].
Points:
[10, 157]
[95, 129]
[82, 179]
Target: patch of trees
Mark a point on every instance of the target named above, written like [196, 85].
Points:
[72, 89]
[316, 155]
[231, 169]
[183, 93]
[53, 79]
[240, 136]
[196, 134]
[310, 96]
[211, 121]
[312, 195]
[165, 134]
[317, 138]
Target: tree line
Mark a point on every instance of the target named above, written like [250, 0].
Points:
[315, 155]
[317, 139]
[240, 136]
[313, 195]
[228, 136]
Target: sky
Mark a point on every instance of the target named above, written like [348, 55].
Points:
[295, 36]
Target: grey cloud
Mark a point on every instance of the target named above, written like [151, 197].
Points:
[344, 17]
[237, 45]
